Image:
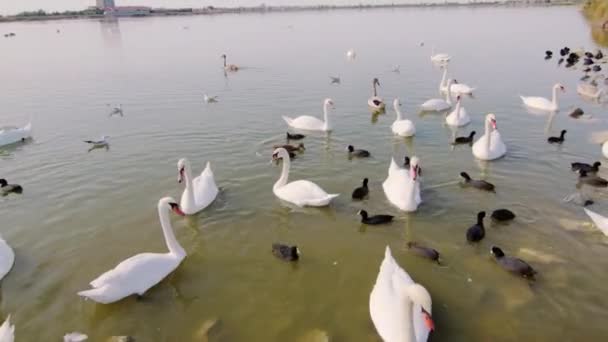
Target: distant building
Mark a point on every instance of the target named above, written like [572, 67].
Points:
[128, 11]
[105, 4]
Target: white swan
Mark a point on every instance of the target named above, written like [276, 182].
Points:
[438, 105]
[543, 103]
[139, 273]
[400, 309]
[375, 102]
[600, 221]
[7, 258]
[10, 134]
[351, 54]
[402, 127]
[489, 146]
[311, 123]
[439, 57]
[301, 192]
[200, 191]
[601, 138]
[455, 88]
[589, 91]
[458, 117]
[402, 187]
[7, 331]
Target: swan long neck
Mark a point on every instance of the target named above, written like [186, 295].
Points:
[172, 244]
[448, 96]
[326, 115]
[224, 61]
[554, 101]
[458, 109]
[407, 331]
[189, 184]
[374, 87]
[398, 111]
[443, 79]
[488, 134]
[284, 173]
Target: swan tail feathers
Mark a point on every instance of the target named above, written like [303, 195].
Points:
[288, 120]
[7, 331]
[100, 295]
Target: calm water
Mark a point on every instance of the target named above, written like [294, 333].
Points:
[82, 213]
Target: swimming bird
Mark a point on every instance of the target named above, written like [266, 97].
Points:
[593, 180]
[455, 87]
[7, 331]
[117, 111]
[439, 58]
[423, 251]
[352, 152]
[399, 308]
[464, 140]
[7, 259]
[586, 167]
[479, 184]
[490, 145]
[557, 140]
[295, 136]
[458, 117]
[286, 252]
[560, 61]
[502, 215]
[477, 232]
[543, 103]
[312, 123]
[548, 54]
[588, 54]
[6, 188]
[599, 54]
[139, 273]
[75, 337]
[291, 148]
[588, 61]
[229, 67]
[402, 127]
[210, 99]
[334, 80]
[376, 102]
[402, 186]
[576, 113]
[564, 51]
[199, 191]
[375, 219]
[512, 264]
[439, 105]
[597, 68]
[362, 191]
[11, 134]
[102, 143]
[301, 192]
[600, 221]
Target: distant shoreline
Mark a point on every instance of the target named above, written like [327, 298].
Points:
[274, 9]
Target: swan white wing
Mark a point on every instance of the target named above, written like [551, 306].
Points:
[600, 221]
[404, 128]
[605, 149]
[305, 122]
[11, 135]
[497, 147]
[436, 105]
[398, 187]
[7, 258]
[453, 119]
[461, 88]
[7, 331]
[205, 189]
[303, 192]
[537, 102]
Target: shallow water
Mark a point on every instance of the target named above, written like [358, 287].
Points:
[82, 213]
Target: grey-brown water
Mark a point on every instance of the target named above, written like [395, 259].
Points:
[82, 213]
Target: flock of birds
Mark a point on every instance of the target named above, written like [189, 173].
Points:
[399, 307]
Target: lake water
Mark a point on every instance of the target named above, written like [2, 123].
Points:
[82, 213]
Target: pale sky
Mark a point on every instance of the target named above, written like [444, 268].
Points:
[15, 6]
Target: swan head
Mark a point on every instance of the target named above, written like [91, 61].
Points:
[183, 165]
[329, 103]
[491, 119]
[560, 87]
[419, 295]
[280, 153]
[168, 203]
[414, 167]
[223, 56]
[397, 103]
[376, 81]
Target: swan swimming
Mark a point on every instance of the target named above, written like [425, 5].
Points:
[229, 67]
[301, 192]
[402, 127]
[439, 105]
[375, 102]
[200, 191]
[402, 187]
[489, 146]
[10, 134]
[7, 331]
[399, 308]
[455, 88]
[458, 117]
[7, 258]
[543, 103]
[439, 58]
[600, 221]
[139, 273]
[310, 123]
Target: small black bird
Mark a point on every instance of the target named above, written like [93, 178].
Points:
[295, 136]
[285, 252]
[599, 54]
[561, 60]
[557, 140]
[479, 184]
[587, 69]
[586, 167]
[577, 113]
[423, 251]
[357, 153]
[585, 77]
[592, 180]
[503, 215]
[361, 192]
[464, 140]
[406, 163]
[477, 231]
[588, 61]
[6, 188]
[597, 68]
[548, 54]
[563, 52]
[588, 54]
[513, 265]
[376, 219]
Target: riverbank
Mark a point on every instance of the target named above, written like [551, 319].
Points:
[159, 12]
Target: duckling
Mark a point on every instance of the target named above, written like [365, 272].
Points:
[512, 264]
[295, 136]
[479, 184]
[6, 188]
[357, 153]
[425, 252]
[374, 220]
[592, 180]
[285, 252]
[362, 191]
[477, 232]
[586, 167]
[557, 140]
[291, 148]
[464, 140]
[502, 215]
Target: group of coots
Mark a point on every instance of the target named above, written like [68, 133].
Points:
[590, 60]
